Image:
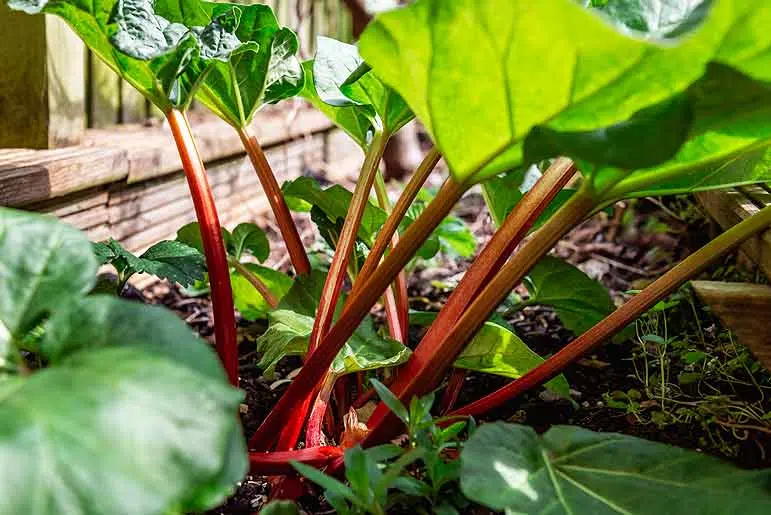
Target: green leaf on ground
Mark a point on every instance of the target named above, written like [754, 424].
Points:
[572, 470]
[580, 302]
[496, 350]
[289, 332]
[248, 301]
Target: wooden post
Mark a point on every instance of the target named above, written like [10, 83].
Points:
[42, 86]
[103, 94]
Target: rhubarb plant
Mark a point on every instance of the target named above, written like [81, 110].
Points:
[638, 113]
[166, 61]
[128, 395]
[265, 70]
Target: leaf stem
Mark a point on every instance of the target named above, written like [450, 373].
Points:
[214, 248]
[354, 312]
[432, 363]
[286, 225]
[626, 314]
[255, 281]
[436, 353]
[396, 301]
[335, 276]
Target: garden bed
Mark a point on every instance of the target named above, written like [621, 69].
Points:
[717, 404]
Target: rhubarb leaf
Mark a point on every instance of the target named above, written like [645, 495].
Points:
[580, 302]
[106, 363]
[334, 202]
[44, 264]
[264, 70]
[289, 332]
[248, 301]
[563, 69]
[659, 19]
[144, 435]
[496, 350]
[356, 121]
[342, 80]
[509, 468]
[163, 60]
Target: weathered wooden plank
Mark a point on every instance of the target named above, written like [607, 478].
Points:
[49, 174]
[94, 217]
[72, 204]
[743, 308]
[729, 207]
[42, 90]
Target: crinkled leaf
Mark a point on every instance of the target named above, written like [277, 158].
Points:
[190, 235]
[551, 65]
[303, 297]
[248, 301]
[568, 470]
[334, 202]
[289, 332]
[43, 264]
[497, 350]
[356, 121]
[263, 70]
[249, 237]
[341, 81]
[580, 302]
[657, 18]
[119, 430]
[164, 61]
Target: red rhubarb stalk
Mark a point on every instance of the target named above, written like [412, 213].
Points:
[334, 282]
[427, 367]
[397, 304]
[484, 267]
[626, 314]
[214, 248]
[313, 433]
[304, 385]
[279, 462]
[286, 225]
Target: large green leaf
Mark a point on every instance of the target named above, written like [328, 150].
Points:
[44, 264]
[172, 260]
[118, 430]
[580, 302]
[164, 61]
[248, 301]
[249, 237]
[263, 71]
[496, 350]
[563, 68]
[572, 470]
[133, 413]
[343, 80]
[289, 332]
[101, 321]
